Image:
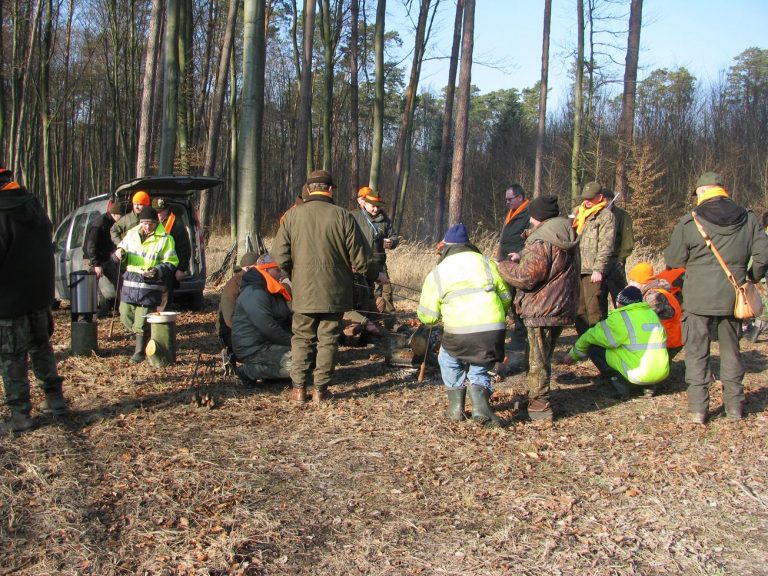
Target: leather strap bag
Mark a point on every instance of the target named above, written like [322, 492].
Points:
[748, 302]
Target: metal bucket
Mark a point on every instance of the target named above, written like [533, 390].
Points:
[83, 292]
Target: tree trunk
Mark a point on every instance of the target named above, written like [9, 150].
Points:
[462, 115]
[378, 98]
[217, 107]
[354, 112]
[45, 119]
[184, 99]
[578, 93]
[148, 89]
[542, 128]
[170, 88]
[304, 115]
[328, 49]
[445, 142]
[234, 124]
[627, 120]
[402, 163]
[249, 141]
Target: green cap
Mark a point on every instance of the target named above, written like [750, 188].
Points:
[590, 190]
[709, 179]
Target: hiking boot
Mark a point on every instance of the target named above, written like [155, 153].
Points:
[456, 399]
[540, 409]
[621, 389]
[698, 418]
[481, 407]
[20, 422]
[138, 354]
[54, 404]
[298, 394]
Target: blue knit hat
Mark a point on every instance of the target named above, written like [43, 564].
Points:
[630, 295]
[457, 234]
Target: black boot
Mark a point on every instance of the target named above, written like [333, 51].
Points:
[139, 354]
[456, 398]
[481, 407]
[20, 422]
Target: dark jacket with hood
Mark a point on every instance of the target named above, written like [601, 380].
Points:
[98, 246]
[375, 230]
[547, 275]
[738, 237]
[317, 246]
[26, 253]
[261, 319]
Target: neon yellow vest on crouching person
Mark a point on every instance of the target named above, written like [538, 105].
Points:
[466, 290]
[635, 343]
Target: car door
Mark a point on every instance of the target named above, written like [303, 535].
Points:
[61, 258]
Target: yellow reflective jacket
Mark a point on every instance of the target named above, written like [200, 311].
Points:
[467, 292]
[155, 251]
[635, 343]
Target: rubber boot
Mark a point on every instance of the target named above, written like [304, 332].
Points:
[54, 404]
[456, 398]
[20, 422]
[481, 407]
[139, 355]
[298, 393]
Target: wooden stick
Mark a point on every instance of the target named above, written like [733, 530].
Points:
[117, 298]
[423, 368]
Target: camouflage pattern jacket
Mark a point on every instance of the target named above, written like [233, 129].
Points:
[547, 276]
[596, 242]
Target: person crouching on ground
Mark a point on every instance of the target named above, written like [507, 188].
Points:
[658, 293]
[467, 292]
[546, 276]
[630, 345]
[261, 324]
[149, 258]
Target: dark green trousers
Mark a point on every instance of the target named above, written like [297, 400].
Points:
[22, 339]
[541, 341]
[696, 336]
[313, 347]
[589, 311]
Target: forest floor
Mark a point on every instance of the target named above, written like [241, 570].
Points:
[183, 470]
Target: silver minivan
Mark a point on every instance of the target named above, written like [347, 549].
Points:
[178, 190]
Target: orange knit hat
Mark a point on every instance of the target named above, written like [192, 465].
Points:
[140, 197]
[642, 273]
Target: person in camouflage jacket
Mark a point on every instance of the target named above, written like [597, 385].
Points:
[596, 228]
[546, 276]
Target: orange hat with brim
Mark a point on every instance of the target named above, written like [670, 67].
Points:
[642, 273]
[370, 196]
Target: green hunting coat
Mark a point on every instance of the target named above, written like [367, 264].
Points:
[318, 245]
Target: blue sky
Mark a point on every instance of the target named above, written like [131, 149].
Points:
[702, 35]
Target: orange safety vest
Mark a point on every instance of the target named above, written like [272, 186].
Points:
[672, 325]
[168, 224]
[674, 276]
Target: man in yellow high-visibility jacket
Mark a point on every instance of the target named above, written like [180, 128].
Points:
[467, 292]
[147, 252]
[630, 345]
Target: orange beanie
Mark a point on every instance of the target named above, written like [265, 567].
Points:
[141, 197]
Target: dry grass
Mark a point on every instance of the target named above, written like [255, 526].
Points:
[146, 479]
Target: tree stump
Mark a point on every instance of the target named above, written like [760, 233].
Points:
[84, 340]
[161, 349]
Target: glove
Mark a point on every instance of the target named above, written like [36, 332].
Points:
[151, 274]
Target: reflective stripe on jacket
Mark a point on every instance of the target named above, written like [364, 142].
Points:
[635, 343]
[155, 251]
[467, 292]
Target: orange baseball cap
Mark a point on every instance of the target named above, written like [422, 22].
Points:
[642, 273]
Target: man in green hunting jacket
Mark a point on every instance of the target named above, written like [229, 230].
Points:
[318, 246]
[708, 296]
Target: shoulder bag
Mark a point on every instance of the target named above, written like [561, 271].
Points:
[748, 301]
